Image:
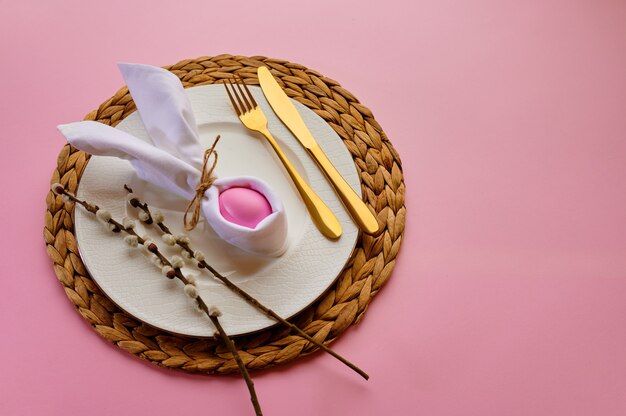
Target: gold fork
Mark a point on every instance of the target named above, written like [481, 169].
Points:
[253, 118]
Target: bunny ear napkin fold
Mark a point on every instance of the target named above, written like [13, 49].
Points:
[175, 159]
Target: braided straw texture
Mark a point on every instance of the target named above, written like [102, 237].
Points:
[342, 305]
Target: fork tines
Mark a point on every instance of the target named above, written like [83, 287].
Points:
[242, 97]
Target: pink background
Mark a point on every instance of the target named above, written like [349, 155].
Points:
[509, 295]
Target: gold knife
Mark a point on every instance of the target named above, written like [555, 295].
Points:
[287, 112]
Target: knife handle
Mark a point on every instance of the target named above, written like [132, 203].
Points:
[357, 209]
[322, 216]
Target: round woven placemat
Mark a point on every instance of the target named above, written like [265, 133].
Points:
[342, 305]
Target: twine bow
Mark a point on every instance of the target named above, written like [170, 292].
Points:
[206, 180]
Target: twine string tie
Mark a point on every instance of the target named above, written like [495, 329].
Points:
[206, 181]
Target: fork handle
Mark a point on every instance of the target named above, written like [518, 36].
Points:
[322, 216]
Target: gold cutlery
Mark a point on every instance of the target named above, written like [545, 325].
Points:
[287, 112]
[254, 119]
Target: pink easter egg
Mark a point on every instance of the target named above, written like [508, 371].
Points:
[244, 206]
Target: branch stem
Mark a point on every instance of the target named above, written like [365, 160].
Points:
[213, 316]
[245, 295]
[233, 349]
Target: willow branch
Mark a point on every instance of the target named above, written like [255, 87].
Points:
[175, 272]
[202, 264]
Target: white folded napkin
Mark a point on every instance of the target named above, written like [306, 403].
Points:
[175, 158]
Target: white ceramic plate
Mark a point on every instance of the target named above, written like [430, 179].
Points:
[287, 284]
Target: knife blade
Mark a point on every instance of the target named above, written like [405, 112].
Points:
[288, 114]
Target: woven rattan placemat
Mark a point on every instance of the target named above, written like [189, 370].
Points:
[342, 305]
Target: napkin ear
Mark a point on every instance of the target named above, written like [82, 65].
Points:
[151, 164]
[165, 111]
